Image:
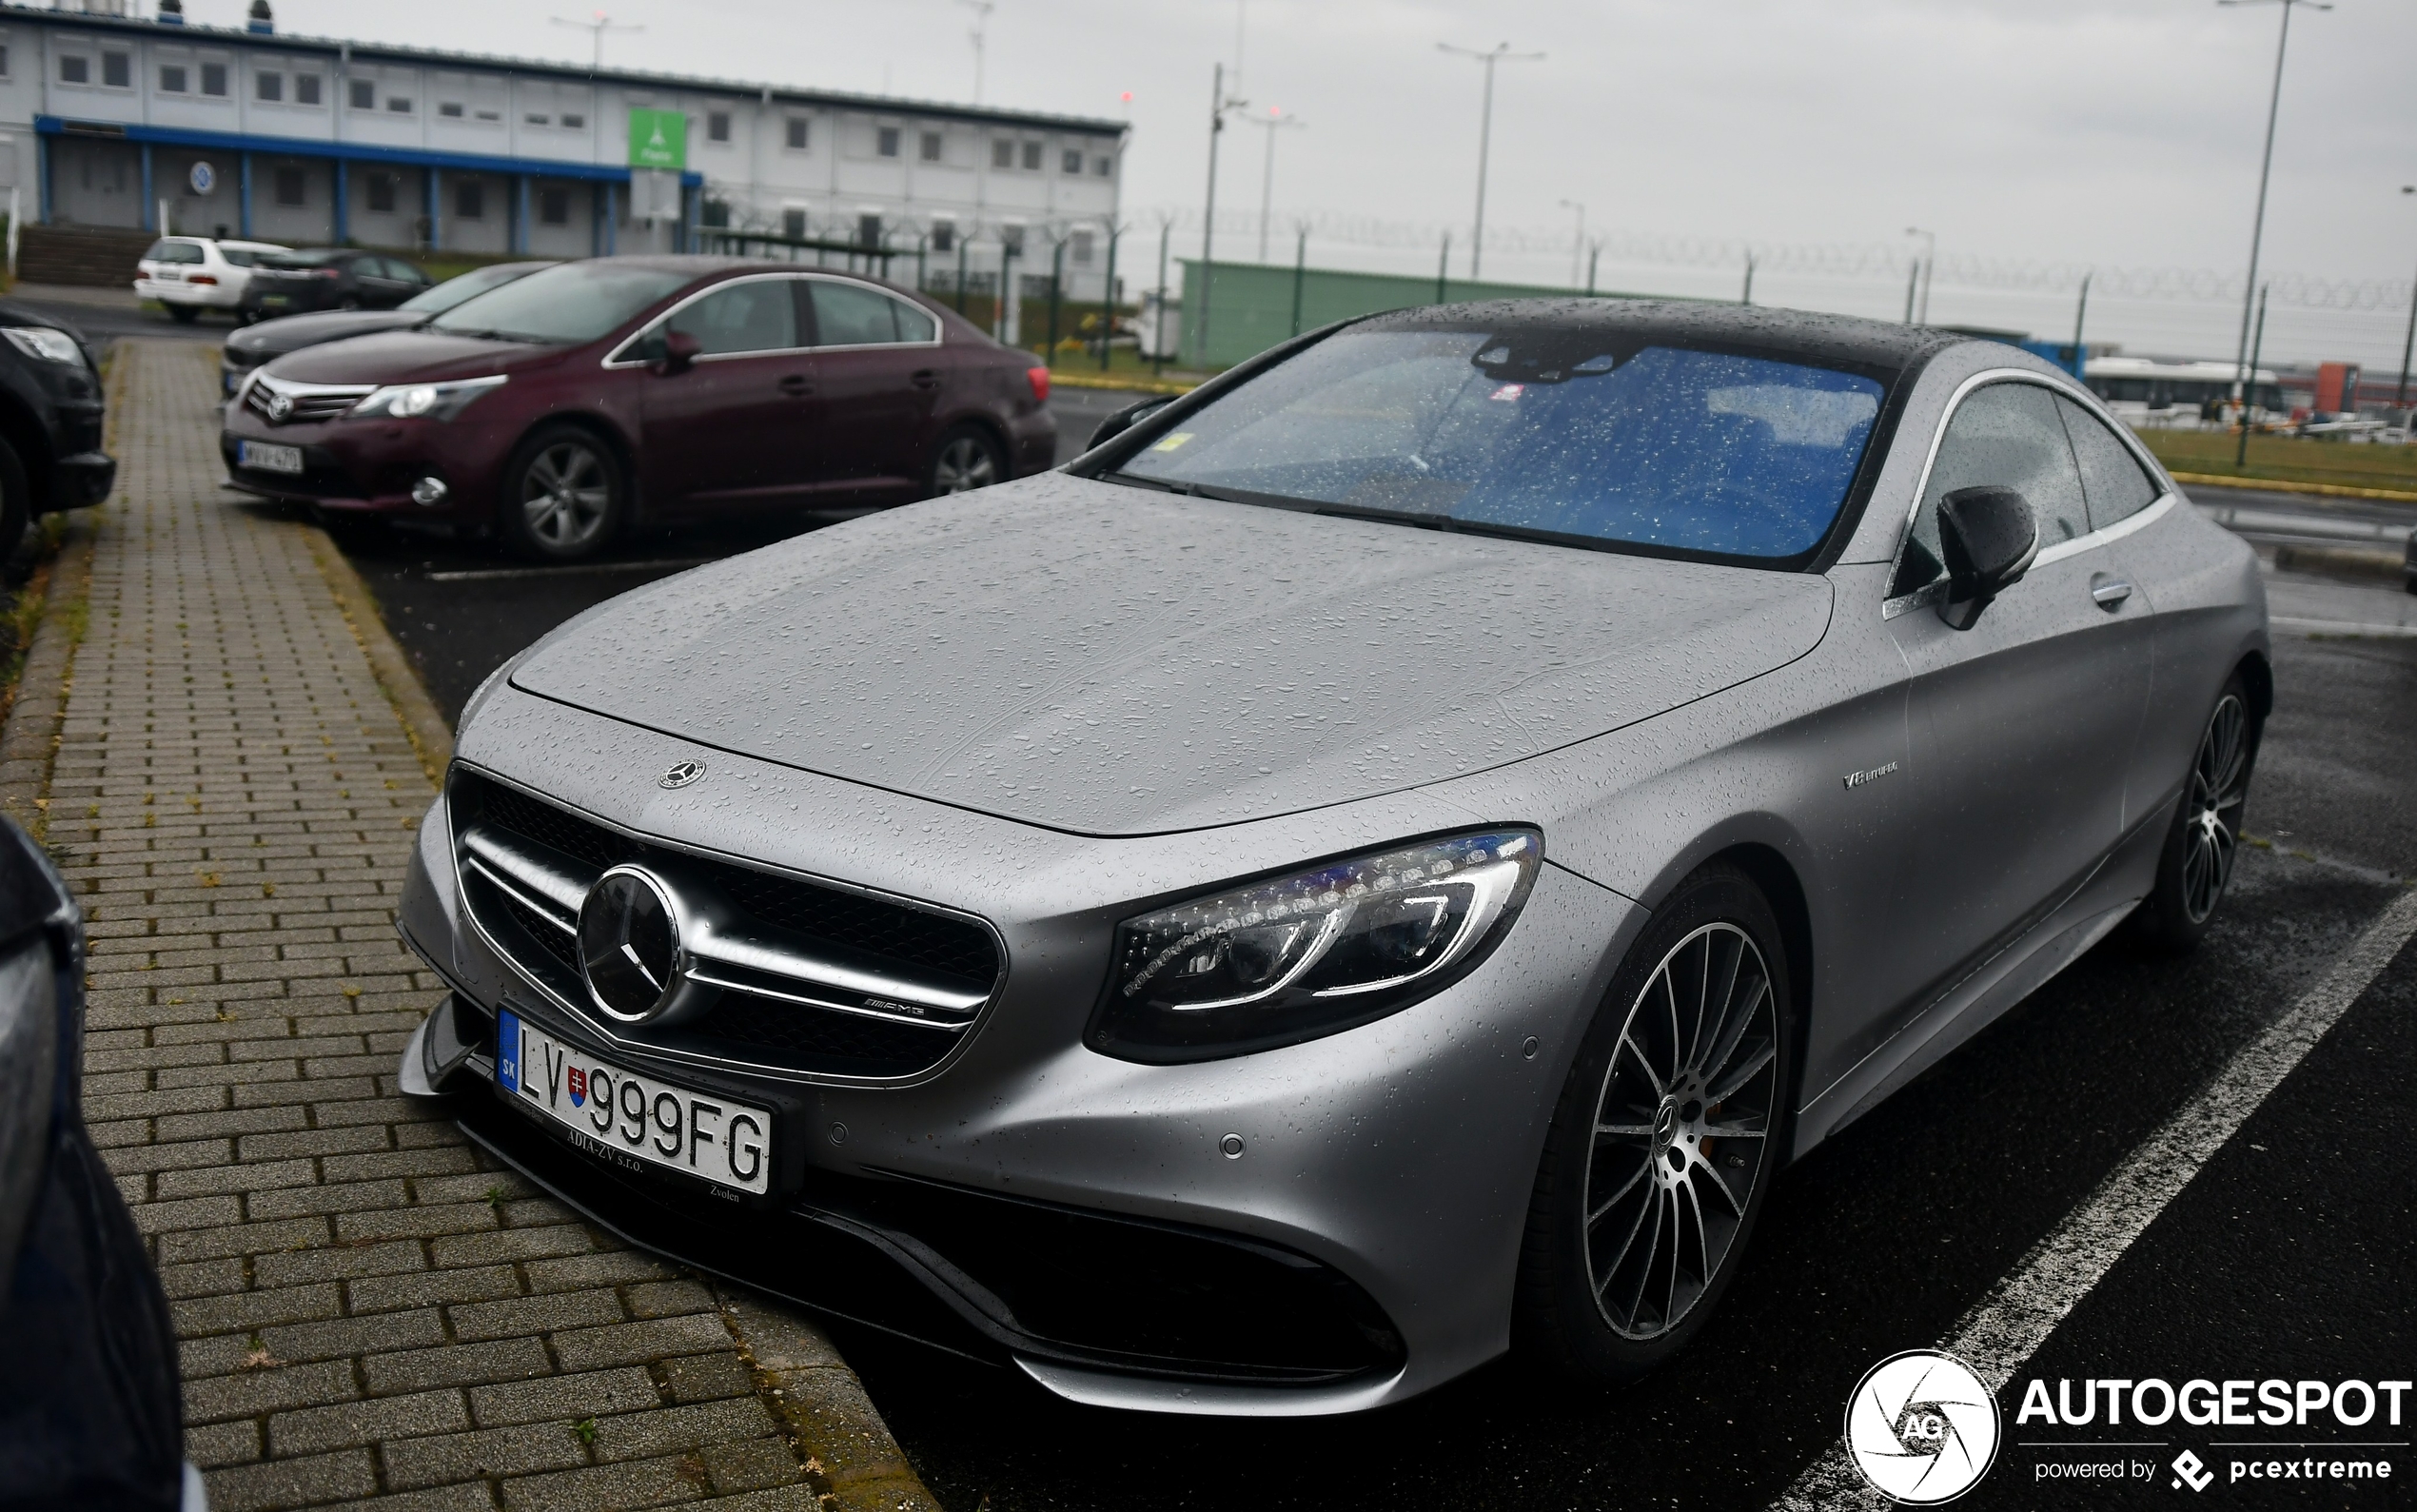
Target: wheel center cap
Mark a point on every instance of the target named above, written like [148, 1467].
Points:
[1666, 1125]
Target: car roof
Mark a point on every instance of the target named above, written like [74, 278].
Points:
[1844, 338]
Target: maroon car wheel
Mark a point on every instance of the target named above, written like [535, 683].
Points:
[966, 459]
[564, 495]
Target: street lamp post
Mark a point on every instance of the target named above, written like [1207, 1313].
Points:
[981, 10]
[1930, 260]
[2400, 396]
[1274, 121]
[1218, 106]
[1500, 53]
[600, 25]
[1577, 248]
[2264, 171]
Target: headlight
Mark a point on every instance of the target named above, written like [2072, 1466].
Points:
[45, 344]
[424, 400]
[1277, 962]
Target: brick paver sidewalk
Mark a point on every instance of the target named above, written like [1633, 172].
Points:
[369, 1307]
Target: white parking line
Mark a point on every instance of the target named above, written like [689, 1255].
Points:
[2009, 1325]
[501, 574]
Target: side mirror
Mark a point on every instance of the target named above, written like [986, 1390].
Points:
[1988, 535]
[1127, 417]
[679, 352]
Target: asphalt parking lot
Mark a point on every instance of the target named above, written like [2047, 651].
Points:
[2290, 1256]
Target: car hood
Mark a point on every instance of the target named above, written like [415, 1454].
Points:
[409, 356]
[1108, 660]
[294, 332]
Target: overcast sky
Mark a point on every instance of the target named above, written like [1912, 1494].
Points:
[2041, 135]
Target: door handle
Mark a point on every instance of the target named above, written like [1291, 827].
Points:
[796, 386]
[2109, 593]
[925, 378]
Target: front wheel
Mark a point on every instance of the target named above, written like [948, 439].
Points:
[1665, 1139]
[966, 459]
[2196, 864]
[564, 495]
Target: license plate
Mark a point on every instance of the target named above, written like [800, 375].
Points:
[280, 300]
[624, 1116]
[267, 458]
[168, 275]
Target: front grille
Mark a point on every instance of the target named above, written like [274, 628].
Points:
[311, 402]
[513, 844]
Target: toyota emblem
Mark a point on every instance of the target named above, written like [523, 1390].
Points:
[280, 406]
[682, 774]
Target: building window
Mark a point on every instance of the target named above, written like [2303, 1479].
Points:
[1012, 239]
[554, 207]
[171, 78]
[117, 70]
[792, 224]
[451, 109]
[869, 230]
[1031, 157]
[290, 185]
[73, 69]
[399, 104]
[269, 86]
[305, 88]
[382, 194]
[574, 123]
[491, 115]
[4, 60]
[1105, 166]
[365, 94]
[715, 214]
[797, 128]
[470, 200]
[1079, 246]
[930, 146]
[215, 79]
[1071, 162]
[535, 118]
[886, 140]
[717, 126]
[944, 236]
[1002, 154]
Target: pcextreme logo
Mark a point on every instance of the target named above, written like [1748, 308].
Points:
[1922, 1428]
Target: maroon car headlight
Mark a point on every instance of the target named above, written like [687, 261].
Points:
[424, 400]
[1319, 951]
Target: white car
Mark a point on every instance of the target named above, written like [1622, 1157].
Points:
[189, 274]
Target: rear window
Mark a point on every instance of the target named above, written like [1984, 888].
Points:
[321, 259]
[172, 252]
[567, 304]
[240, 256]
[1556, 435]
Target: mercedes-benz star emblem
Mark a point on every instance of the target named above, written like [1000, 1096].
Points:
[682, 774]
[280, 406]
[629, 945]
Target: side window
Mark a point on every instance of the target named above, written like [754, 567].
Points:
[852, 315]
[755, 316]
[914, 325]
[2009, 435]
[2117, 487]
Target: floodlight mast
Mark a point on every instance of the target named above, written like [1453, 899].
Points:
[601, 25]
[1274, 121]
[2264, 171]
[1500, 53]
[981, 10]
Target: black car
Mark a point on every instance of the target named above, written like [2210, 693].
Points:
[89, 1411]
[329, 277]
[50, 416]
[254, 345]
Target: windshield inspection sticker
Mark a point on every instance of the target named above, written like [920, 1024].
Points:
[1173, 441]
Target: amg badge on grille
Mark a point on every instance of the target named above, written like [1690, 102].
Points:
[682, 775]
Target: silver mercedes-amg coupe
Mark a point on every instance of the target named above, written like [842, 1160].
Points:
[1378, 863]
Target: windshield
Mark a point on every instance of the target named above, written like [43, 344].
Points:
[1562, 434]
[569, 302]
[316, 259]
[469, 285]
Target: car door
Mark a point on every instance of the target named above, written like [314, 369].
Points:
[383, 284]
[2119, 490]
[735, 429]
[876, 369]
[2021, 726]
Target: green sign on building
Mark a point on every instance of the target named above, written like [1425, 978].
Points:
[658, 138]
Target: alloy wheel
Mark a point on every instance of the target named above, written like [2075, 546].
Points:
[1682, 1130]
[2219, 788]
[565, 495]
[964, 464]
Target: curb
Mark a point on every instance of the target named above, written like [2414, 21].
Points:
[1138, 385]
[29, 741]
[2280, 487]
[833, 1425]
[2353, 560]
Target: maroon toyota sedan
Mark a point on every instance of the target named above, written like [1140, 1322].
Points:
[557, 410]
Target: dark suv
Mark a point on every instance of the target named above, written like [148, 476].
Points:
[558, 410]
[50, 420]
[329, 277]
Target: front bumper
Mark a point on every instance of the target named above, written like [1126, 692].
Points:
[1030, 1200]
[83, 478]
[216, 297]
[368, 466]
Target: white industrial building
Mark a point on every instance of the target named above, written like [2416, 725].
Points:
[112, 118]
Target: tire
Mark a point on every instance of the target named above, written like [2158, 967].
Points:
[16, 502]
[565, 495]
[183, 314]
[967, 458]
[2195, 866]
[1636, 1145]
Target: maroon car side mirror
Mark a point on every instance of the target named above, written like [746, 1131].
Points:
[680, 351]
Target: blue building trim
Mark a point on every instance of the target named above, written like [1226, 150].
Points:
[346, 151]
[243, 198]
[342, 205]
[150, 194]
